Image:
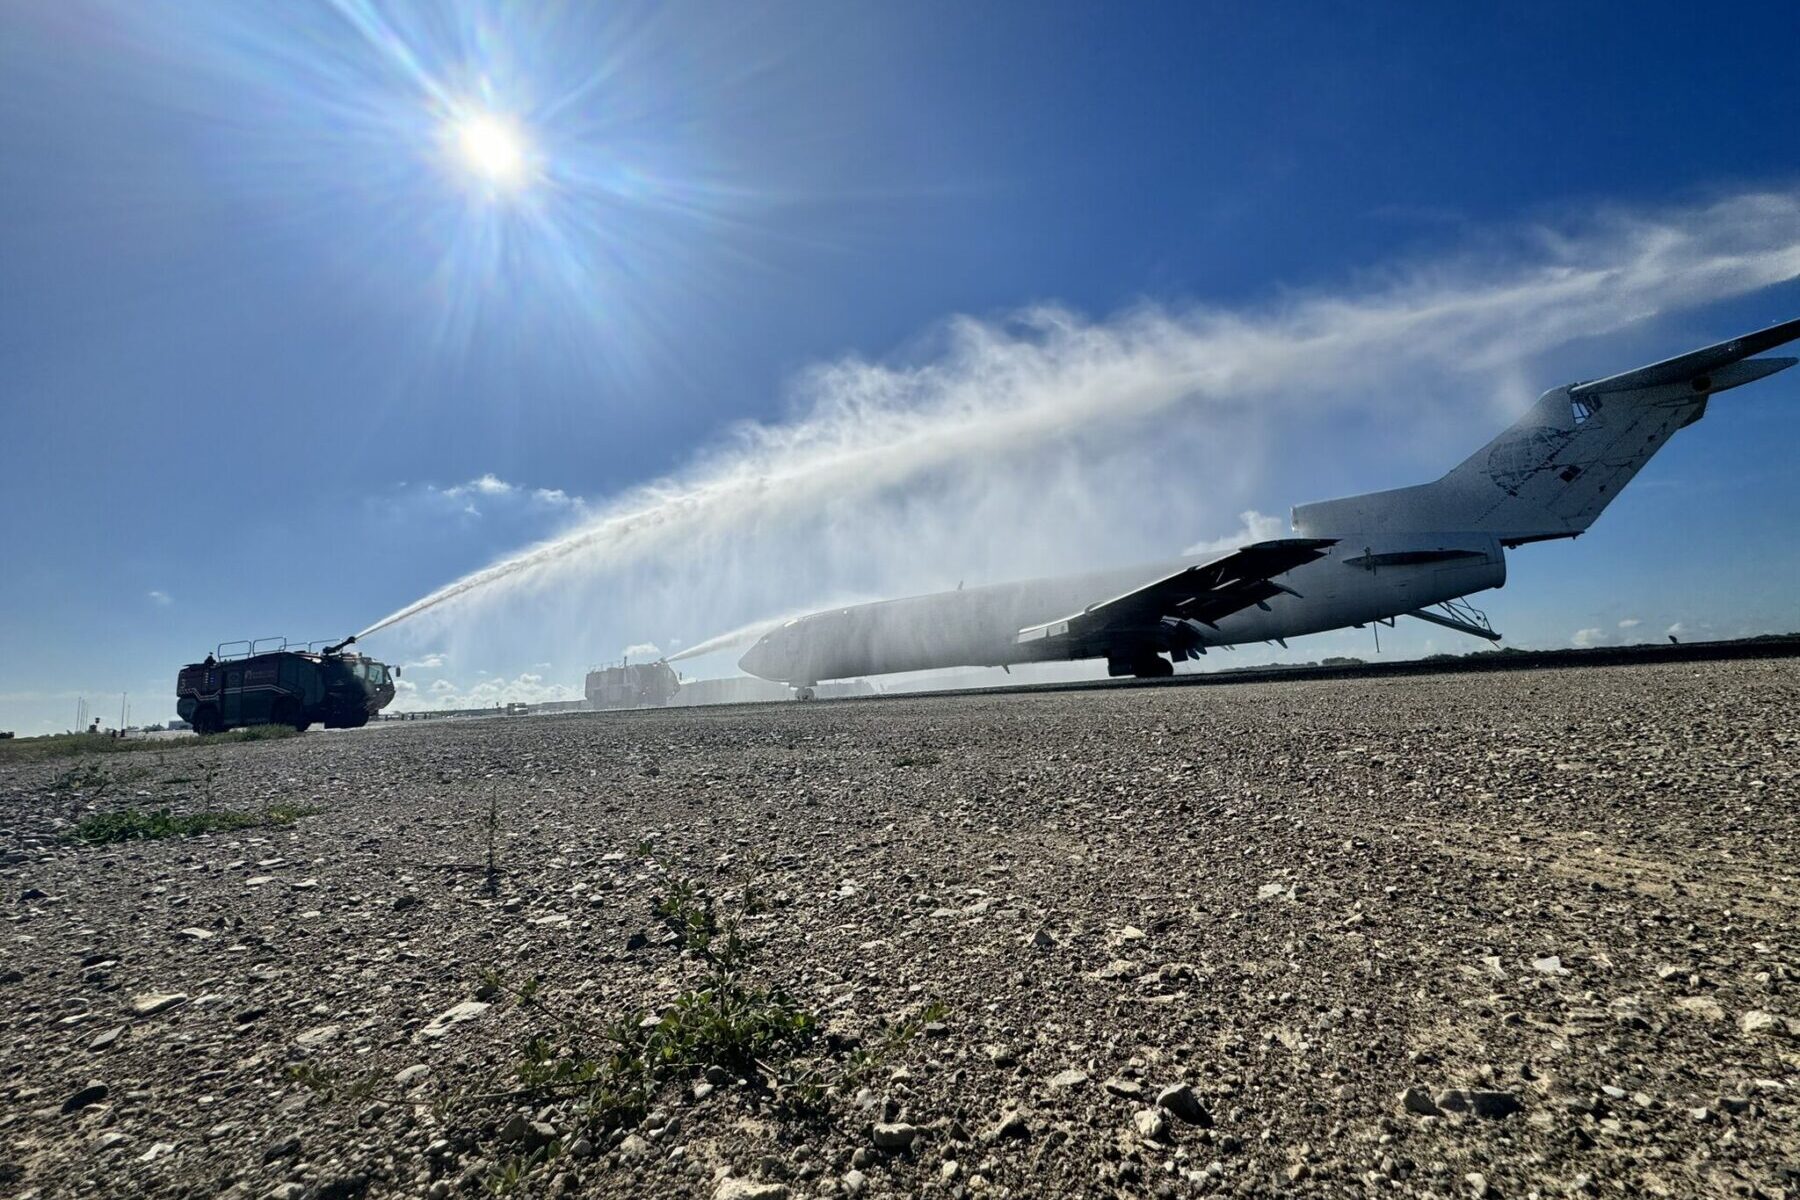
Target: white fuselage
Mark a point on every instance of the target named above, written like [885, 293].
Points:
[979, 626]
[1548, 475]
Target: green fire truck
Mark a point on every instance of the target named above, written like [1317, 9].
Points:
[282, 684]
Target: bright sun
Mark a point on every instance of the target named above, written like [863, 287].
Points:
[493, 148]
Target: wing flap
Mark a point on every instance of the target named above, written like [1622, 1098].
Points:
[1204, 592]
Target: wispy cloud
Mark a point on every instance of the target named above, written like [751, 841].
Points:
[1046, 435]
[475, 496]
[161, 598]
[1630, 623]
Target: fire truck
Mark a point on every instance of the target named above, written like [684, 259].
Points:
[632, 685]
[259, 683]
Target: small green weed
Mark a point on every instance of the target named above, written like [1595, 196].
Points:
[76, 745]
[133, 824]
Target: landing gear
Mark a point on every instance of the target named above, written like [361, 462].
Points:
[804, 693]
[1143, 666]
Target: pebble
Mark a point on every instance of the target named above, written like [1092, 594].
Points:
[752, 1189]
[1151, 1125]
[633, 1148]
[287, 1147]
[1181, 1103]
[1702, 1007]
[1418, 1101]
[1068, 1079]
[895, 1135]
[1011, 1126]
[312, 1039]
[1758, 1022]
[413, 1075]
[150, 1003]
[87, 1097]
[453, 1016]
[1125, 1089]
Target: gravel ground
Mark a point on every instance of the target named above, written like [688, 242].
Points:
[1515, 935]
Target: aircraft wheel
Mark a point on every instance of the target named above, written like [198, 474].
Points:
[1157, 667]
[804, 693]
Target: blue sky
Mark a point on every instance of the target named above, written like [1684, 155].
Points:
[274, 361]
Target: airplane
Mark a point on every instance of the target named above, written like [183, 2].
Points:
[1416, 551]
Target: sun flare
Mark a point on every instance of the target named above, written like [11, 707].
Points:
[493, 149]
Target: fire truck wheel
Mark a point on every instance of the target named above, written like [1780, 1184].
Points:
[288, 712]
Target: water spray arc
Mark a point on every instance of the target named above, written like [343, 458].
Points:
[998, 390]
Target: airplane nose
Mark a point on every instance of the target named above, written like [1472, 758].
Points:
[759, 660]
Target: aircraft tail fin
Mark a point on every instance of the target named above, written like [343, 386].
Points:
[1557, 468]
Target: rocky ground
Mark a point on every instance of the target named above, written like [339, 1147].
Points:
[1481, 935]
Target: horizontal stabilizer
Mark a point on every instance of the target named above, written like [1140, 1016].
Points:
[1684, 368]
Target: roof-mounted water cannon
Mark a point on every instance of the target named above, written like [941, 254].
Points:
[339, 647]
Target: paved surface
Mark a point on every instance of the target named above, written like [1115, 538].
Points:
[1557, 905]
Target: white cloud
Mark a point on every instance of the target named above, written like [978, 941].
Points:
[490, 489]
[161, 598]
[486, 485]
[1585, 638]
[525, 688]
[642, 650]
[427, 662]
[1630, 623]
[1676, 629]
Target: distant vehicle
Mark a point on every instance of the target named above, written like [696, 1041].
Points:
[1415, 551]
[283, 685]
[632, 685]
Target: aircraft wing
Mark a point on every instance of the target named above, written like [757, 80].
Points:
[1204, 592]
